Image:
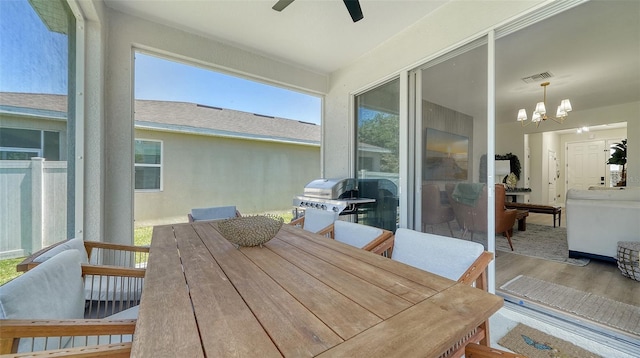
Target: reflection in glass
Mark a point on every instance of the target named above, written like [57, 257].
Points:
[377, 160]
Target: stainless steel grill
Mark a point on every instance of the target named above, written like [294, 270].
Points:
[338, 195]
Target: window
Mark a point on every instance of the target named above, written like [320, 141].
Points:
[148, 165]
[23, 144]
[38, 118]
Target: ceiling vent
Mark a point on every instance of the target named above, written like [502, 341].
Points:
[538, 77]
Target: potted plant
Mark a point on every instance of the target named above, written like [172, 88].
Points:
[619, 157]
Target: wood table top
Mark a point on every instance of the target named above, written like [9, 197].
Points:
[299, 295]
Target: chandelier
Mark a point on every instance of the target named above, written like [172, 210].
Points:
[540, 113]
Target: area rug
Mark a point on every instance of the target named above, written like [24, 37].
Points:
[536, 344]
[622, 316]
[541, 241]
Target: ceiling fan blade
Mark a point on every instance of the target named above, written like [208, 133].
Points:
[281, 4]
[354, 9]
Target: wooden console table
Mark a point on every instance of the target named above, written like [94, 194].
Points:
[300, 295]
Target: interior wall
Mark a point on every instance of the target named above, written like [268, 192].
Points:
[581, 137]
[449, 121]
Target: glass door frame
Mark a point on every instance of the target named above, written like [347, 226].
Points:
[409, 112]
[415, 121]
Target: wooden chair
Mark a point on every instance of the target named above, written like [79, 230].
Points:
[43, 310]
[433, 211]
[474, 350]
[213, 213]
[108, 288]
[315, 220]
[362, 236]
[458, 260]
[97, 253]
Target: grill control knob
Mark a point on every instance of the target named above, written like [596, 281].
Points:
[324, 207]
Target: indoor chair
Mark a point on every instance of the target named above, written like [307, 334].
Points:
[433, 211]
[459, 260]
[473, 218]
[44, 309]
[365, 237]
[504, 218]
[315, 220]
[213, 213]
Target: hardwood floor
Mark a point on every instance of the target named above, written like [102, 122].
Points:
[600, 278]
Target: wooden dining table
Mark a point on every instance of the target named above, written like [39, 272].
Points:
[298, 295]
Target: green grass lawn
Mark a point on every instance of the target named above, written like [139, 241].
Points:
[8, 269]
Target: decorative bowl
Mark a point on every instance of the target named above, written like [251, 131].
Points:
[250, 230]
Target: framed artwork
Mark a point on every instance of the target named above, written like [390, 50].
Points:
[446, 156]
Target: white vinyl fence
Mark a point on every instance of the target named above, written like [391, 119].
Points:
[33, 205]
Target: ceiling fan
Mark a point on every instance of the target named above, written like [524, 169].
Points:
[353, 6]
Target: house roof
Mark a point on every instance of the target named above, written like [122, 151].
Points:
[191, 117]
[179, 117]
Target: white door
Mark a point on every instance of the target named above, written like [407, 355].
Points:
[552, 174]
[586, 164]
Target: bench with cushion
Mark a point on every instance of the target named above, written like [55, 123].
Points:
[538, 208]
[48, 301]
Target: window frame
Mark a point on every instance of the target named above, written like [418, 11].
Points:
[146, 165]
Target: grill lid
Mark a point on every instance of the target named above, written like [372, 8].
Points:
[330, 188]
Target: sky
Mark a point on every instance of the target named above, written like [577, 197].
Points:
[158, 78]
[33, 60]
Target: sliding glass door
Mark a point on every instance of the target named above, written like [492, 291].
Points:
[377, 154]
[451, 144]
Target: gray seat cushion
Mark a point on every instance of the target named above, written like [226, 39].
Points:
[354, 234]
[316, 220]
[52, 290]
[220, 212]
[76, 243]
[444, 256]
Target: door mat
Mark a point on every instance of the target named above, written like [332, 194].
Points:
[596, 308]
[528, 341]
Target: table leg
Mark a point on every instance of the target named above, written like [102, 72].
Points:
[522, 224]
[559, 218]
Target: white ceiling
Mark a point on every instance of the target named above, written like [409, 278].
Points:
[593, 50]
[315, 34]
